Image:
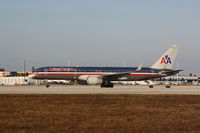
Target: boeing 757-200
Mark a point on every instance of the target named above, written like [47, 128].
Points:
[105, 75]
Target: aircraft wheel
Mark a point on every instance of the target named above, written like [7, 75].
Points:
[151, 86]
[167, 86]
[111, 85]
[47, 86]
[104, 86]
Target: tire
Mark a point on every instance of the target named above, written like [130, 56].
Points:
[167, 86]
[111, 85]
[151, 86]
[107, 85]
[47, 86]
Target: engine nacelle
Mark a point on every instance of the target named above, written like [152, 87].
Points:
[94, 80]
[91, 80]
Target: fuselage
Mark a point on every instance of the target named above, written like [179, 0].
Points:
[73, 73]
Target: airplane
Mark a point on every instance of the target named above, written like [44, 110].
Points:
[104, 76]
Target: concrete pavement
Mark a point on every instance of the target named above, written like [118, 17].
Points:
[69, 89]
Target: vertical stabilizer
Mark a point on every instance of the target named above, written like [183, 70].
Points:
[168, 58]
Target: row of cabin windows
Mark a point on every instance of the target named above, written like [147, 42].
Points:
[143, 71]
[94, 71]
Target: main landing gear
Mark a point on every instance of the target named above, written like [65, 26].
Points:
[107, 84]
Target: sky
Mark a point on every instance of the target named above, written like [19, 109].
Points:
[98, 32]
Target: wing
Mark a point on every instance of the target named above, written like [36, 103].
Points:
[116, 75]
[121, 75]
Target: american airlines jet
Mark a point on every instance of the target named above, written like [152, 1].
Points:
[105, 75]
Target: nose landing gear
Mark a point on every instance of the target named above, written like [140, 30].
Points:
[47, 85]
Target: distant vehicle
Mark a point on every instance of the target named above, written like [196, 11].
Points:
[105, 75]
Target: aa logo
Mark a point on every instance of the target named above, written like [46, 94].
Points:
[166, 60]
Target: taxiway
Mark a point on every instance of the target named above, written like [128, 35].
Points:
[54, 89]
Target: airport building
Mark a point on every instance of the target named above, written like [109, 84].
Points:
[13, 81]
[170, 80]
[4, 74]
[182, 80]
[13, 78]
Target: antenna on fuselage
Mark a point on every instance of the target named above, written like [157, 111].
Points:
[125, 63]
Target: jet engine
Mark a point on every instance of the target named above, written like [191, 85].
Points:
[91, 80]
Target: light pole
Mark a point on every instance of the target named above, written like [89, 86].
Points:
[24, 70]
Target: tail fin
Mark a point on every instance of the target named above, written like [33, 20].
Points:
[168, 58]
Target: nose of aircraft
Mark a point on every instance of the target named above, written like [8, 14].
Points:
[31, 76]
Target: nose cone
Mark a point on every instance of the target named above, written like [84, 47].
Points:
[31, 76]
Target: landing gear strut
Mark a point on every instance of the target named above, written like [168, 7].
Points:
[107, 84]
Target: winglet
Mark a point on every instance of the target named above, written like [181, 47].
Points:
[139, 67]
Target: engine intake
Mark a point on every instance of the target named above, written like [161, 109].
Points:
[92, 80]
